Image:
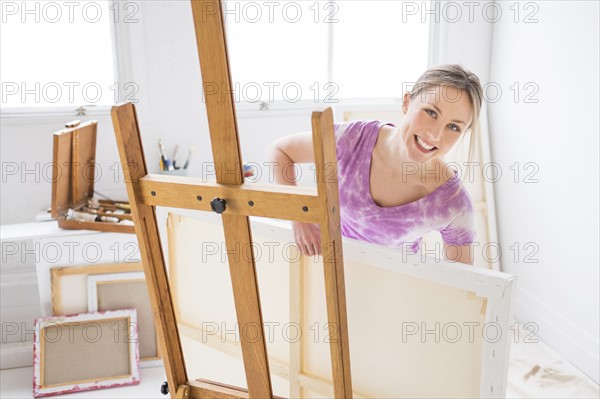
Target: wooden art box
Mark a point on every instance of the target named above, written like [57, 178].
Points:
[73, 176]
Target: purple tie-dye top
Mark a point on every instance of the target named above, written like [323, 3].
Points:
[447, 209]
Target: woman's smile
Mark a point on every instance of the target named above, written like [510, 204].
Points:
[424, 146]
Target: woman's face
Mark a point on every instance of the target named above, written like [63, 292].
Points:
[434, 121]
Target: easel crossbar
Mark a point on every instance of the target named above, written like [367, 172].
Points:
[270, 201]
[205, 389]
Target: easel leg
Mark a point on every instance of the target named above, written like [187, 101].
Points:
[247, 305]
[331, 243]
[183, 392]
[134, 167]
[220, 110]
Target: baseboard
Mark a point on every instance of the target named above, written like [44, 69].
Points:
[574, 344]
[15, 355]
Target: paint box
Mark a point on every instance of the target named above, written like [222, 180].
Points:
[73, 177]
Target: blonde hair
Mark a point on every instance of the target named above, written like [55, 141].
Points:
[456, 76]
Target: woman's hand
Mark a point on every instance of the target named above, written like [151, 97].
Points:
[307, 237]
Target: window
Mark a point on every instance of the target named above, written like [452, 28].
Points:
[58, 54]
[376, 52]
[323, 51]
[277, 50]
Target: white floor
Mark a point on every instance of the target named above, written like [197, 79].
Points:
[535, 371]
[18, 383]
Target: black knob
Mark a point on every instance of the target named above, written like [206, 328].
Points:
[218, 205]
[164, 388]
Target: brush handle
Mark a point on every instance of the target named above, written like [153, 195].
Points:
[174, 158]
[187, 161]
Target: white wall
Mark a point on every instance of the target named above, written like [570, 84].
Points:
[26, 153]
[559, 214]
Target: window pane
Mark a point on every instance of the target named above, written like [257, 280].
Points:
[277, 49]
[57, 53]
[375, 51]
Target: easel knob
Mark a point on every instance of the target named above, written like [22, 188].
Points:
[218, 205]
[164, 388]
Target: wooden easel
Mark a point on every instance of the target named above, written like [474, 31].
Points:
[235, 201]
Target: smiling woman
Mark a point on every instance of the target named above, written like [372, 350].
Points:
[394, 185]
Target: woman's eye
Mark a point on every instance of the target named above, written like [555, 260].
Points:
[434, 114]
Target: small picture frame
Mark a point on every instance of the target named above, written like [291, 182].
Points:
[127, 290]
[85, 352]
[69, 285]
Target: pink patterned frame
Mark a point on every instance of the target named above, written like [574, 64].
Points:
[129, 315]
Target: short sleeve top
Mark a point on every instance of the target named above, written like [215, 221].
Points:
[448, 209]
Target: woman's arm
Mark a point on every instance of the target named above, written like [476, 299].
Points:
[459, 253]
[295, 148]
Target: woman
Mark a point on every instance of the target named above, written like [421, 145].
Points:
[394, 186]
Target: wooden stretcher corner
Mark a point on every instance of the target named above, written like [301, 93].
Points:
[473, 296]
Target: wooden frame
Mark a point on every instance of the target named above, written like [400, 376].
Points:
[147, 191]
[58, 273]
[75, 351]
[128, 297]
[442, 291]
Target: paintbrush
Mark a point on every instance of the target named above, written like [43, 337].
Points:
[187, 161]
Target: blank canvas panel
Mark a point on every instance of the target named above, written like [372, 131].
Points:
[66, 361]
[409, 337]
[85, 352]
[132, 295]
[122, 291]
[71, 296]
[203, 299]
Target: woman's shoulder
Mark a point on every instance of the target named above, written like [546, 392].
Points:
[457, 192]
[358, 127]
[350, 134]
[446, 182]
